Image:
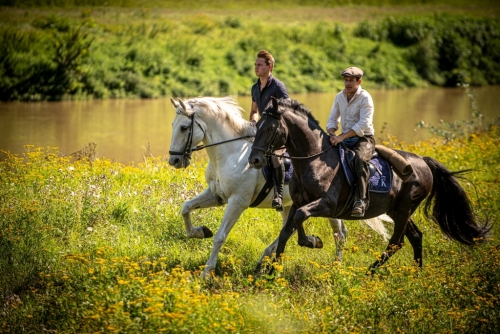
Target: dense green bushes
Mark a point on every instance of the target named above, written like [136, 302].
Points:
[139, 53]
[444, 48]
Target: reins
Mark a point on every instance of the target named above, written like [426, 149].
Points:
[188, 150]
[292, 158]
[269, 150]
[200, 147]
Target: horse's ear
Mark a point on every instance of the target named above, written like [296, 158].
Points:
[174, 103]
[183, 105]
[275, 103]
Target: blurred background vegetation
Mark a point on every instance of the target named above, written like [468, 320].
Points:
[55, 50]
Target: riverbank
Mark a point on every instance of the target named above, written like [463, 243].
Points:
[103, 52]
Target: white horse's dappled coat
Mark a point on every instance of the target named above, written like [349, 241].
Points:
[216, 122]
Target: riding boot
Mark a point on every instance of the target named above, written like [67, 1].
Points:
[361, 198]
[279, 180]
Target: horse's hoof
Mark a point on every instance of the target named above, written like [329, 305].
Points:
[316, 241]
[207, 233]
[372, 270]
[207, 274]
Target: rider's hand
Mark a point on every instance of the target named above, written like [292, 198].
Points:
[335, 140]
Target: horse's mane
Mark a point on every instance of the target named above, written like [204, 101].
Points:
[298, 109]
[225, 109]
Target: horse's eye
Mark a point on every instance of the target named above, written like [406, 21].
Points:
[184, 127]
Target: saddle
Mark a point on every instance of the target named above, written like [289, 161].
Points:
[268, 175]
[380, 179]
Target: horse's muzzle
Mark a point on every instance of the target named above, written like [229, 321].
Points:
[179, 161]
[256, 159]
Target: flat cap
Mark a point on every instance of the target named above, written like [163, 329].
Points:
[352, 72]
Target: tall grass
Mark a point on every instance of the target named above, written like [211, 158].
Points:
[97, 246]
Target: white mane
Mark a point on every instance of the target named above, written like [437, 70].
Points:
[226, 109]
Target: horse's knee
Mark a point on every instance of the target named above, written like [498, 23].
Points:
[219, 240]
[186, 209]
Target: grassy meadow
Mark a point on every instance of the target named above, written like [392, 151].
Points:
[93, 246]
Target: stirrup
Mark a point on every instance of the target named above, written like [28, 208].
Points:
[358, 210]
[277, 204]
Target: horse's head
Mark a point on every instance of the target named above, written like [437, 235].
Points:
[186, 133]
[271, 134]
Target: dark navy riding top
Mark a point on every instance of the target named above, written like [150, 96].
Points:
[274, 88]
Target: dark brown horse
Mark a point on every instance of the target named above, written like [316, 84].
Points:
[319, 187]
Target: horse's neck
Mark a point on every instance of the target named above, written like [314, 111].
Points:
[312, 142]
[305, 141]
[218, 133]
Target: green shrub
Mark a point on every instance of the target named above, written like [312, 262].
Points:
[442, 46]
[137, 53]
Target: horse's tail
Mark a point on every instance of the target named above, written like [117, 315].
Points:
[452, 209]
[377, 224]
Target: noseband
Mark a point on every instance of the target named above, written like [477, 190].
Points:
[187, 149]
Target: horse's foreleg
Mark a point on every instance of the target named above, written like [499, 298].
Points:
[286, 232]
[414, 235]
[235, 207]
[271, 249]
[339, 235]
[306, 211]
[206, 199]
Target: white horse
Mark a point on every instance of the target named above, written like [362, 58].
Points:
[227, 138]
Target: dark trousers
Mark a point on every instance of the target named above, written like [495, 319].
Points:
[364, 148]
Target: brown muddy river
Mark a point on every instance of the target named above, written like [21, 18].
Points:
[124, 129]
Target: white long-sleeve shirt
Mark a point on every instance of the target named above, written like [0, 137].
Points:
[356, 114]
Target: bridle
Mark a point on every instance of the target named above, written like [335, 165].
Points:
[187, 149]
[269, 150]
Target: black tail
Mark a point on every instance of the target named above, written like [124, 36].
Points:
[452, 208]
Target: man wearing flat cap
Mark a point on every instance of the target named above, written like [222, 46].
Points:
[353, 106]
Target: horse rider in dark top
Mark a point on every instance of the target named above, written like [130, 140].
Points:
[354, 107]
[266, 87]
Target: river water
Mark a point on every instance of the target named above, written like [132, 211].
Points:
[125, 129]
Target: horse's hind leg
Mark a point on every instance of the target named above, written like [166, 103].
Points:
[401, 220]
[339, 235]
[414, 235]
[206, 199]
